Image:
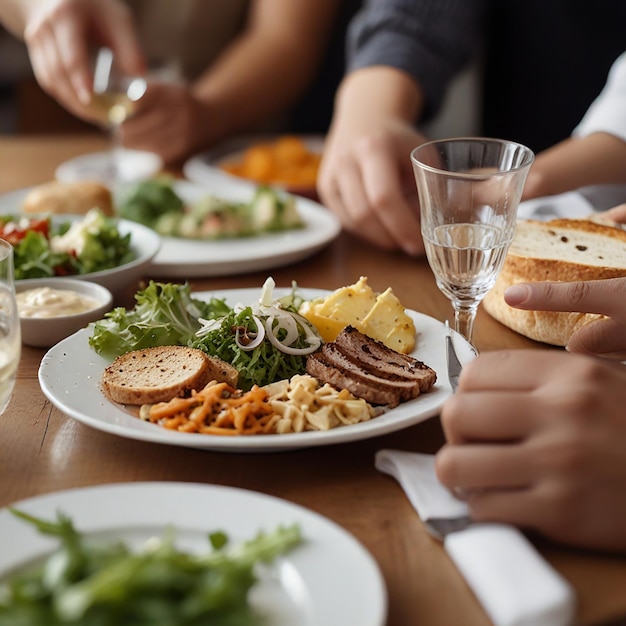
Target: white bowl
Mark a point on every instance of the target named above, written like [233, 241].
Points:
[43, 332]
[144, 242]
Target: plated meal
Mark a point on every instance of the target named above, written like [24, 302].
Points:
[226, 228]
[273, 570]
[347, 393]
[287, 161]
[88, 244]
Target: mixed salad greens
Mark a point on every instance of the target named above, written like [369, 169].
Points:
[156, 204]
[43, 248]
[266, 341]
[85, 584]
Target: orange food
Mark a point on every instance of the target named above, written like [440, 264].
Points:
[286, 161]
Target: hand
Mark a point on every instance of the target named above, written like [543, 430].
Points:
[605, 337]
[538, 439]
[169, 121]
[366, 176]
[58, 34]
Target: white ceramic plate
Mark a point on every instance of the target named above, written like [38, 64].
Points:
[202, 168]
[144, 242]
[70, 375]
[179, 257]
[134, 165]
[331, 579]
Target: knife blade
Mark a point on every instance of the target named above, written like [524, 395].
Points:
[511, 580]
[452, 360]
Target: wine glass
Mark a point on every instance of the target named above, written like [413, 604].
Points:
[469, 190]
[114, 99]
[10, 335]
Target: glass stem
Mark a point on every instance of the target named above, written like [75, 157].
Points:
[464, 316]
[117, 151]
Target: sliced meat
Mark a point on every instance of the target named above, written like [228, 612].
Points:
[370, 370]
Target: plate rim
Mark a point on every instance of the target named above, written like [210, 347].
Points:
[431, 404]
[146, 506]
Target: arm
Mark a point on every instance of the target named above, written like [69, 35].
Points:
[260, 74]
[538, 439]
[58, 33]
[596, 152]
[397, 76]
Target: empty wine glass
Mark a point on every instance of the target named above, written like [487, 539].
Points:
[469, 190]
[114, 99]
[10, 335]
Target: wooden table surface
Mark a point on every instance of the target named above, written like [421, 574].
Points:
[42, 450]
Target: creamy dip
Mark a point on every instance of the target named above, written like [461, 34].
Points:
[48, 302]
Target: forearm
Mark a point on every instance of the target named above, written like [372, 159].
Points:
[377, 93]
[13, 16]
[264, 71]
[599, 158]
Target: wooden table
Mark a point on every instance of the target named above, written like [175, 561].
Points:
[42, 450]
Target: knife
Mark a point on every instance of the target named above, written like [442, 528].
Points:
[452, 360]
[511, 580]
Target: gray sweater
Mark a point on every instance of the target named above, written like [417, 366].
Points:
[544, 61]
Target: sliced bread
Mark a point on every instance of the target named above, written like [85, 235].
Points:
[159, 374]
[556, 250]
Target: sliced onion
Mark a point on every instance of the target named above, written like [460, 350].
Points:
[258, 339]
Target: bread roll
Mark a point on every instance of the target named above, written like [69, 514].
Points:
[159, 374]
[69, 198]
[557, 250]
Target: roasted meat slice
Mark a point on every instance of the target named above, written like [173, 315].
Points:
[370, 370]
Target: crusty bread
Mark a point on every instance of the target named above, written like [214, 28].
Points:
[557, 250]
[159, 374]
[68, 198]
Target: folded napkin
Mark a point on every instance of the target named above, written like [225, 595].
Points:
[514, 584]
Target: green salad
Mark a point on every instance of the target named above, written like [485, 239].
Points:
[42, 248]
[156, 204]
[87, 584]
[265, 341]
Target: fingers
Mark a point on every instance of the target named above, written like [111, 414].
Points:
[605, 297]
[604, 337]
[617, 214]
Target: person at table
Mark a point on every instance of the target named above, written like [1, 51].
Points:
[538, 439]
[243, 64]
[402, 55]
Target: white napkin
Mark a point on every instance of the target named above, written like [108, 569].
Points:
[569, 205]
[511, 580]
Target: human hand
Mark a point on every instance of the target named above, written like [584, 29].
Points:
[170, 121]
[58, 34]
[366, 177]
[537, 439]
[604, 337]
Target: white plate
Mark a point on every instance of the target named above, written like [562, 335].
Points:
[70, 375]
[144, 242]
[134, 165]
[331, 579]
[202, 168]
[191, 257]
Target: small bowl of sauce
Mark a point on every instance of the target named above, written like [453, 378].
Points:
[53, 308]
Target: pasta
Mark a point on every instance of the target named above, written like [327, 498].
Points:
[288, 406]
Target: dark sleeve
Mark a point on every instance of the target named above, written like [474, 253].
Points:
[431, 40]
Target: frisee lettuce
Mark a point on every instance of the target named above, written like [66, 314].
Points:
[165, 314]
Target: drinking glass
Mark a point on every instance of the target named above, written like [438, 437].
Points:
[469, 190]
[114, 100]
[10, 335]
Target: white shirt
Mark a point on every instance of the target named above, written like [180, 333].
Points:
[607, 112]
